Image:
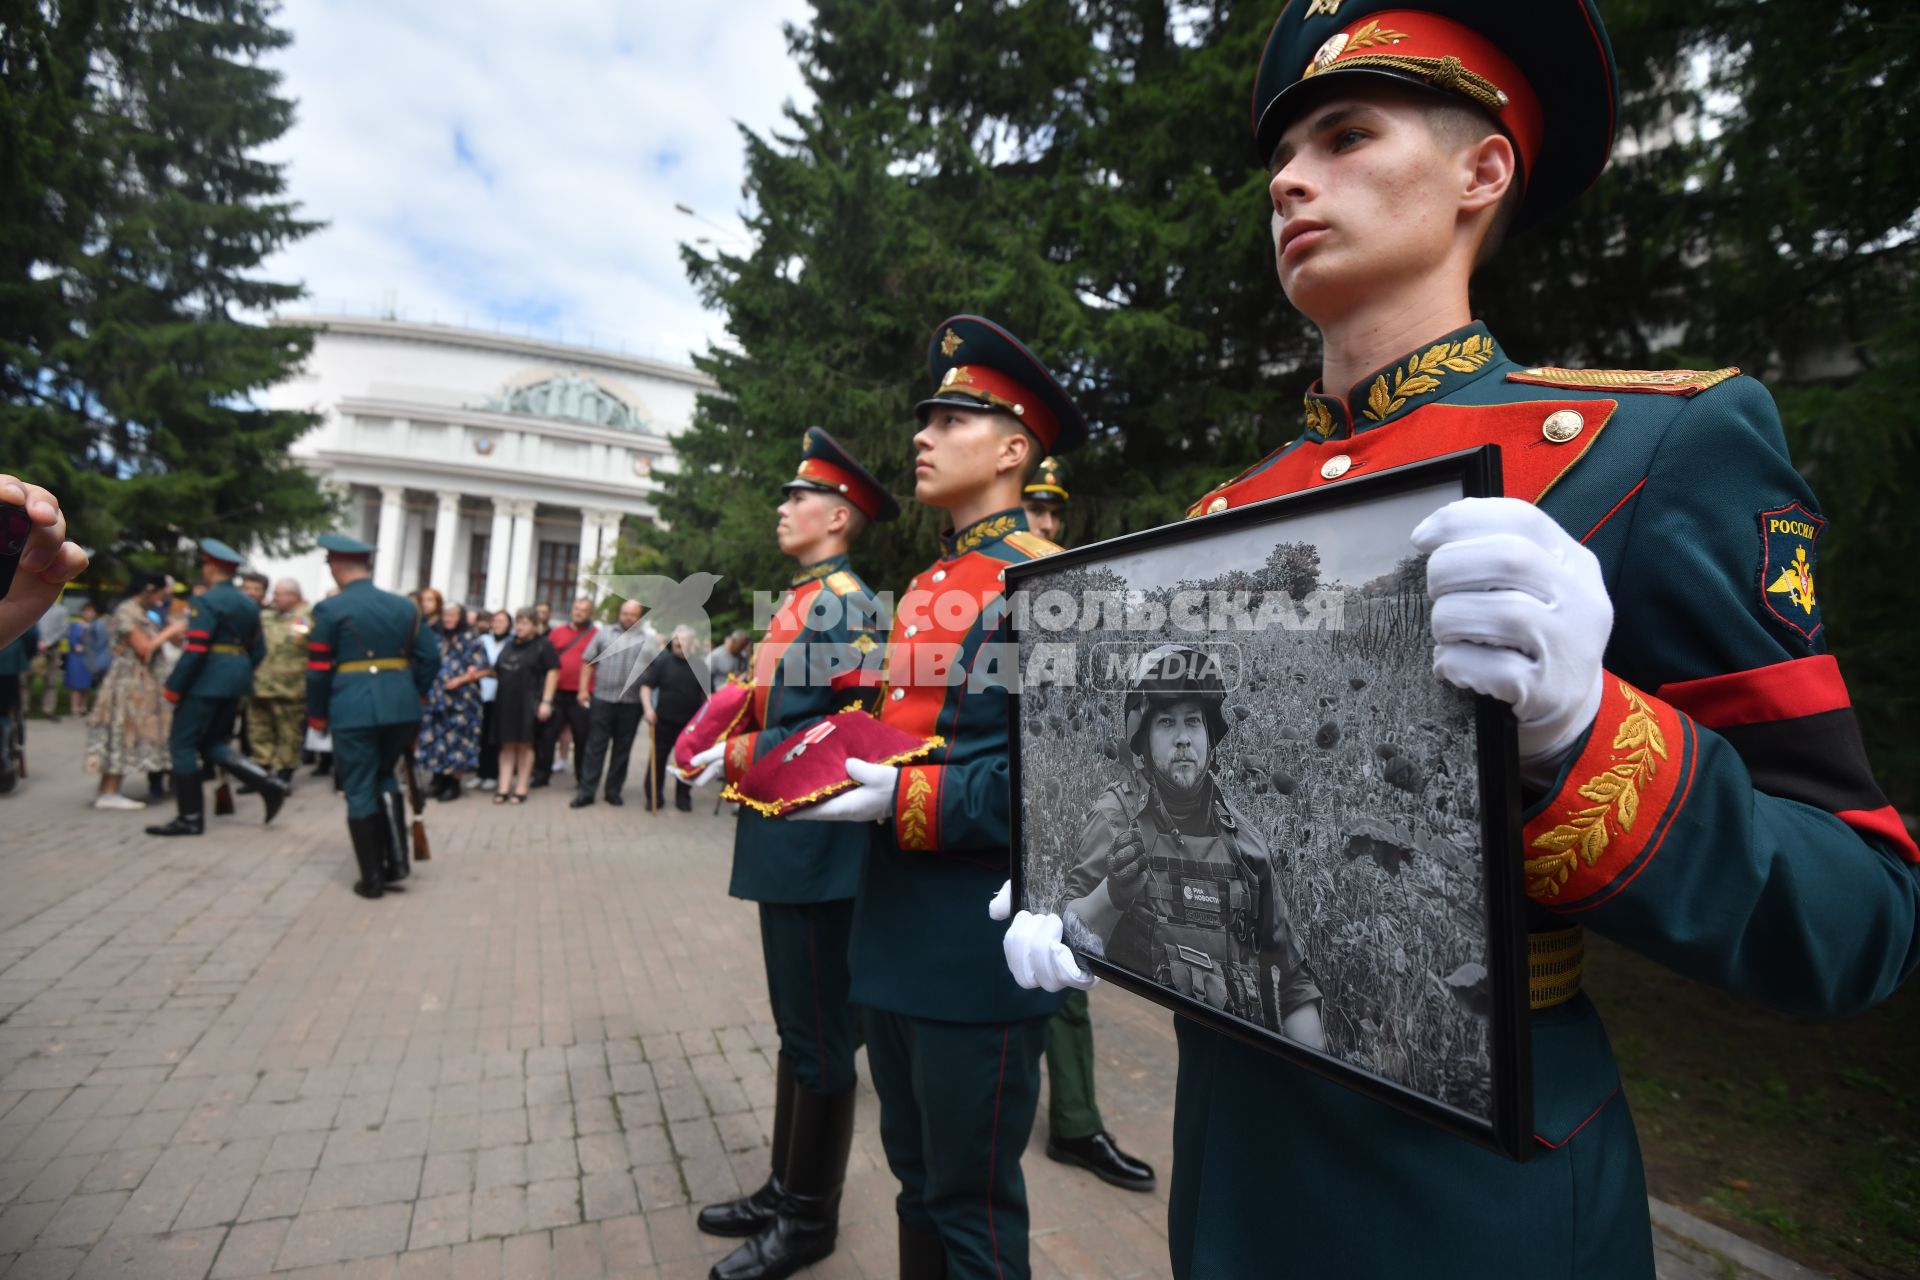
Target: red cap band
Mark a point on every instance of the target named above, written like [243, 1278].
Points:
[850, 486]
[1447, 55]
[1002, 392]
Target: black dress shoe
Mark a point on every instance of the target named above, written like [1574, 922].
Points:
[579, 802]
[615, 801]
[1098, 1154]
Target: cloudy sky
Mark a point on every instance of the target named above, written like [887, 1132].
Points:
[512, 164]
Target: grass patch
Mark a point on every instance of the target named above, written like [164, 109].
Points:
[1790, 1131]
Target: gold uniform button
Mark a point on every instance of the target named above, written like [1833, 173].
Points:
[940, 575]
[1335, 467]
[912, 631]
[899, 694]
[1562, 425]
[1216, 506]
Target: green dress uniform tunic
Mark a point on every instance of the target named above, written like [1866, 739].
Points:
[369, 663]
[276, 716]
[809, 665]
[1719, 817]
[954, 1044]
[224, 644]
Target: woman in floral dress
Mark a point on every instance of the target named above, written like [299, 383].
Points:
[450, 730]
[127, 732]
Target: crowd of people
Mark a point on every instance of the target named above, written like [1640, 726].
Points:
[517, 699]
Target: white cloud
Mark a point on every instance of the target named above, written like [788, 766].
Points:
[511, 163]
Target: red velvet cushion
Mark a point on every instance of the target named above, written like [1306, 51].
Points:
[727, 712]
[811, 766]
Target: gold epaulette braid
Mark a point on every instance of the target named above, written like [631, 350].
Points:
[1554, 959]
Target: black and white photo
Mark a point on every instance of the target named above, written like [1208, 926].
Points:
[1244, 792]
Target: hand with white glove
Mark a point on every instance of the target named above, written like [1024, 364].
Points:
[1520, 613]
[711, 763]
[1000, 905]
[1035, 955]
[871, 801]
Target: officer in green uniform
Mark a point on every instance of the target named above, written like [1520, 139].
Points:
[276, 717]
[369, 665]
[811, 663]
[953, 1044]
[1076, 1133]
[223, 645]
[1644, 598]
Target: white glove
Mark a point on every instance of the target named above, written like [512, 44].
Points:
[711, 763]
[871, 801]
[1037, 958]
[1520, 612]
[1000, 905]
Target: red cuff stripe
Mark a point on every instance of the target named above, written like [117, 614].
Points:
[319, 666]
[314, 646]
[196, 648]
[1783, 691]
[198, 635]
[1884, 823]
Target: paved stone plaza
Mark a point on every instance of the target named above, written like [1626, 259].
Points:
[215, 1060]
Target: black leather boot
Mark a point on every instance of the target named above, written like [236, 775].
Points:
[259, 778]
[806, 1222]
[923, 1254]
[395, 866]
[370, 852]
[750, 1214]
[190, 796]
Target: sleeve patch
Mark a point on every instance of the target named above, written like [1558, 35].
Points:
[1789, 554]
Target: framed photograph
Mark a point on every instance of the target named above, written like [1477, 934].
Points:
[1239, 783]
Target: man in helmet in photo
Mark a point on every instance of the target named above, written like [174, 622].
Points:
[1173, 882]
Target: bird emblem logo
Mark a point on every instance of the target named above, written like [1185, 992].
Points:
[1796, 581]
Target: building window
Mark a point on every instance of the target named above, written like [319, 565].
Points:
[478, 550]
[557, 575]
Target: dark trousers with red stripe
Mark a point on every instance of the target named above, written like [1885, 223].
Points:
[805, 944]
[957, 1101]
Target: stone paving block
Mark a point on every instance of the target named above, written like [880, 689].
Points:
[250, 1249]
[426, 1264]
[82, 1220]
[59, 1178]
[150, 1129]
[343, 1235]
[45, 1264]
[447, 1173]
[576, 1253]
[116, 1171]
[526, 1258]
[216, 1201]
[294, 1151]
[543, 1090]
[499, 1211]
[275, 1195]
[550, 1121]
[501, 1167]
[181, 1255]
[553, 1203]
[21, 1224]
[352, 1186]
[595, 1115]
[479, 1260]
[441, 1220]
[660, 1187]
[624, 1245]
[609, 1195]
[603, 1153]
[503, 1128]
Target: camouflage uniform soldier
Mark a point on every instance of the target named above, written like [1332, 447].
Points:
[277, 713]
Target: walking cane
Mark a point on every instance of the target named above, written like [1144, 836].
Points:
[653, 773]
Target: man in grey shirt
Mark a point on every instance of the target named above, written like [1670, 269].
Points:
[730, 659]
[610, 689]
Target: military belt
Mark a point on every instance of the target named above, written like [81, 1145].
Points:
[368, 666]
[226, 648]
[1553, 965]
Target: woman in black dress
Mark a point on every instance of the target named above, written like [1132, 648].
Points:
[528, 671]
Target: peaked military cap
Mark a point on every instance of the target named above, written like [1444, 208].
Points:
[827, 467]
[975, 364]
[218, 551]
[339, 544]
[1542, 69]
[1046, 485]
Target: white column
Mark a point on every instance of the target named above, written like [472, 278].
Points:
[462, 558]
[590, 522]
[393, 528]
[416, 525]
[519, 588]
[609, 536]
[499, 544]
[446, 537]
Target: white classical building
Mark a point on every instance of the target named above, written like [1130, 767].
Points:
[497, 469]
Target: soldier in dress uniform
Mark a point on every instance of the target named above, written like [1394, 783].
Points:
[953, 1044]
[276, 717]
[215, 672]
[1645, 600]
[811, 663]
[1076, 1133]
[370, 663]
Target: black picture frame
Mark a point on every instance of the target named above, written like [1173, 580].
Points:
[1038, 788]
